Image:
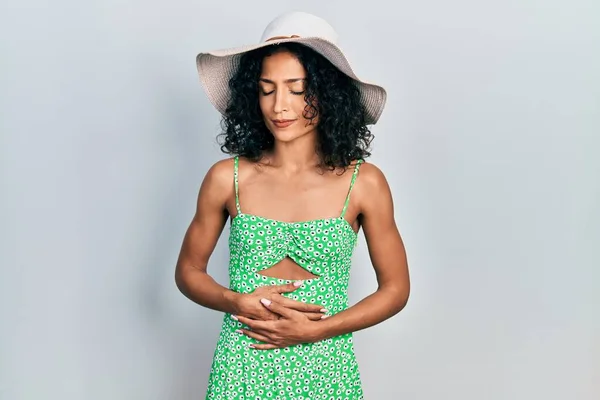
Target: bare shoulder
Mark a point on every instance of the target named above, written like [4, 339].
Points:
[221, 171]
[245, 165]
[372, 191]
[372, 179]
[218, 181]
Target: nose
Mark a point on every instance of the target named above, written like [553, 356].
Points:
[282, 99]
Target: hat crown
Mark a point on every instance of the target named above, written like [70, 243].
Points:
[301, 24]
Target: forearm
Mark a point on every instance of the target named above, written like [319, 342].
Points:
[202, 289]
[373, 309]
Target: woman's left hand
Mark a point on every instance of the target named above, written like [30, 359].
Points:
[292, 328]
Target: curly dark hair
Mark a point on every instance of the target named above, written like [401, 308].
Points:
[343, 135]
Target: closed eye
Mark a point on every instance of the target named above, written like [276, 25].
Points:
[272, 91]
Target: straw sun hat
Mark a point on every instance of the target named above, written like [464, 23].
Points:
[215, 68]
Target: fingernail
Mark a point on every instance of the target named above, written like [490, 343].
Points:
[234, 317]
[266, 302]
[298, 283]
[251, 345]
[323, 310]
[238, 331]
[324, 316]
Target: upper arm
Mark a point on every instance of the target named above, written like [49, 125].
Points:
[384, 242]
[209, 219]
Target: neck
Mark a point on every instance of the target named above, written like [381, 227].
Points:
[297, 155]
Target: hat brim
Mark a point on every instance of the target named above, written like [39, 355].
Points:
[215, 69]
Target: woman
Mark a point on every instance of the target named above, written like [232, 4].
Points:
[295, 118]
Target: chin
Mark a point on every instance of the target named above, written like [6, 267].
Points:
[286, 136]
[289, 135]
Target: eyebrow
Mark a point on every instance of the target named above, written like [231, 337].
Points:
[292, 80]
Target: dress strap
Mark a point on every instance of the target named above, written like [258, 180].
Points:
[235, 183]
[356, 167]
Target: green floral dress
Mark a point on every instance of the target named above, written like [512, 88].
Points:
[325, 370]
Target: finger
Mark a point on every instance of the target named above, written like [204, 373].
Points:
[264, 346]
[254, 335]
[288, 287]
[300, 306]
[278, 308]
[263, 314]
[252, 323]
[315, 316]
[270, 316]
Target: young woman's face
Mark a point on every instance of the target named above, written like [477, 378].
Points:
[281, 96]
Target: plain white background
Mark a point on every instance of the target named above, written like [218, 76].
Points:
[489, 142]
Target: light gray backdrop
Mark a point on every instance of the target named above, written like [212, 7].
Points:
[489, 141]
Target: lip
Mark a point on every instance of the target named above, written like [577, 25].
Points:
[283, 123]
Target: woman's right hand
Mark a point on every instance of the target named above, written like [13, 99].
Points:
[249, 305]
